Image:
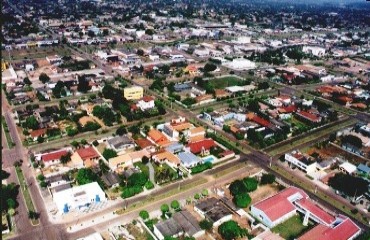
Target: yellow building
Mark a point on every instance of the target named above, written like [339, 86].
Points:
[133, 93]
[4, 65]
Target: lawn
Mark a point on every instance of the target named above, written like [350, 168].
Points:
[7, 134]
[144, 169]
[221, 83]
[26, 193]
[164, 173]
[291, 228]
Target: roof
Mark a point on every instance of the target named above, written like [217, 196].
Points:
[53, 155]
[349, 167]
[316, 211]
[343, 231]
[188, 158]
[363, 168]
[268, 235]
[181, 126]
[309, 116]
[278, 205]
[197, 130]
[157, 136]
[38, 132]
[174, 147]
[147, 99]
[143, 142]
[88, 152]
[110, 178]
[180, 221]
[213, 209]
[165, 155]
[120, 141]
[196, 147]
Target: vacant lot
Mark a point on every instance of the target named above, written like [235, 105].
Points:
[221, 83]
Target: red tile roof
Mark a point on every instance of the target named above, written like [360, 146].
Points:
[309, 116]
[38, 132]
[53, 156]
[288, 109]
[147, 99]
[143, 142]
[343, 231]
[261, 121]
[196, 147]
[316, 211]
[278, 205]
[86, 153]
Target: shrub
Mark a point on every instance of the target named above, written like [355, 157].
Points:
[149, 185]
[242, 200]
[144, 214]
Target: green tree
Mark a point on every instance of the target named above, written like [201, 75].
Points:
[27, 81]
[197, 196]
[65, 158]
[137, 179]
[144, 159]
[32, 123]
[175, 205]
[231, 230]
[109, 153]
[11, 203]
[251, 184]
[165, 208]
[204, 192]
[121, 130]
[352, 140]
[205, 225]
[83, 84]
[237, 187]
[144, 215]
[348, 184]
[267, 179]
[242, 200]
[209, 67]
[44, 78]
[86, 175]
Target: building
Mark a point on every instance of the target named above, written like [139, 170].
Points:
[181, 224]
[240, 64]
[314, 50]
[343, 229]
[348, 168]
[304, 163]
[213, 210]
[196, 134]
[111, 179]
[79, 198]
[188, 159]
[309, 116]
[146, 103]
[285, 204]
[166, 156]
[88, 156]
[157, 137]
[119, 163]
[133, 93]
[202, 147]
[120, 143]
[363, 169]
[52, 158]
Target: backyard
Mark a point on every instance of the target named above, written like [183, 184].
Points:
[223, 82]
[292, 228]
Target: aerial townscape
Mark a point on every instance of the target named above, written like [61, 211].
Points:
[185, 119]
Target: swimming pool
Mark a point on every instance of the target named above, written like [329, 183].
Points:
[209, 158]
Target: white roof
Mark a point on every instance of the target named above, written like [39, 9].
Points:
[235, 89]
[349, 167]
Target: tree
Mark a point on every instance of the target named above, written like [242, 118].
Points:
[205, 225]
[144, 159]
[86, 175]
[32, 123]
[231, 230]
[11, 203]
[40, 139]
[242, 200]
[352, 140]
[251, 184]
[44, 78]
[137, 179]
[205, 192]
[121, 130]
[209, 67]
[237, 187]
[83, 84]
[165, 208]
[27, 81]
[144, 214]
[105, 32]
[349, 185]
[267, 179]
[263, 85]
[175, 205]
[65, 158]
[109, 153]
[197, 196]
[91, 34]
[4, 174]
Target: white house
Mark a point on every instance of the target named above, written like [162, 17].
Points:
[146, 103]
[240, 64]
[154, 58]
[79, 198]
[348, 168]
[301, 161]
[314, 50]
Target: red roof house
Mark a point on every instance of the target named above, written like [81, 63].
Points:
[309, 116]
[88, 153]
[53, 157]
[203, 145]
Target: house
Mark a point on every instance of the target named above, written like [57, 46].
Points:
[35, 134]
[343, 229]
[52, 158]
[175, 147]
[188, 159]
[119, 163]
[146, 103]
[309, 116]
[157, 137]
[304, 163]
[166, 156]
[213, 210]
[196, 134]
[203, 146]
[79, 198]
[347, 168]
[88, 156]
[120, 143]
[181, 224]
[363, 169]
[144, 143]
[285, 204]
[110, 179]
[133, 93]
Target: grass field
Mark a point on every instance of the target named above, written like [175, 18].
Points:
[144, 169]
[7, 134]
[35, 53]
[291, 228]
[26, 194]
[221, 83]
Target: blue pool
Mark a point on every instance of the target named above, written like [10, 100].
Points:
[210, 158]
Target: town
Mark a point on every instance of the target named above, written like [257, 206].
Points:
[185, 120]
